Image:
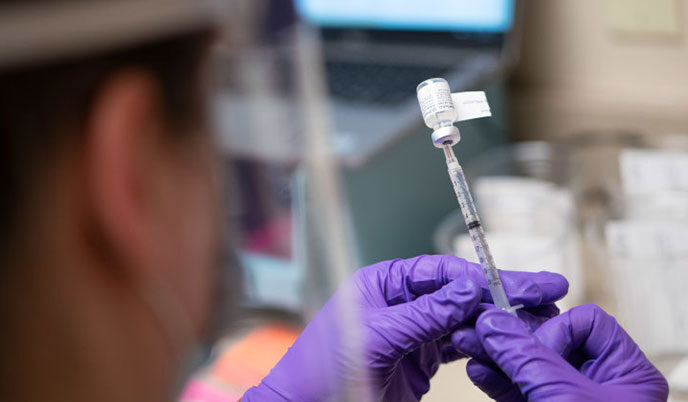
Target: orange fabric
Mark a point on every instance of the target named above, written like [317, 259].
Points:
[245, 363]
[199, 391]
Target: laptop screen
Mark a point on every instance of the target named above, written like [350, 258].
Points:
[489, 16]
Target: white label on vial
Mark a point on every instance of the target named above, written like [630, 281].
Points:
[471, 105]
[434, 98]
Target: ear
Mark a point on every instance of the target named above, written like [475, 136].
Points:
[121, 137]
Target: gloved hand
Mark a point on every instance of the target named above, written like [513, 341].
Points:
[404, 312]
[580, 355]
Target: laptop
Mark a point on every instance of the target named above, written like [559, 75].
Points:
[376, 52]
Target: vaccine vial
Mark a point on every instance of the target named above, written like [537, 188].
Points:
[437, 107]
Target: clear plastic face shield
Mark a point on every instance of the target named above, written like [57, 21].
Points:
[288, 217]
[285, 218]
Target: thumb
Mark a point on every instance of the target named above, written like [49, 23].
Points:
[409, 325]
[538, 371]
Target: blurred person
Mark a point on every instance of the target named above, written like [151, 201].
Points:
[110, 243]
[109, 209]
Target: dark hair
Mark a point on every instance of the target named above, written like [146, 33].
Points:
[44, 107]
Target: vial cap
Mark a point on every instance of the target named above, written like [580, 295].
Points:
[449, 135]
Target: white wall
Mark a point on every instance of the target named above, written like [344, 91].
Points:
[578, 72]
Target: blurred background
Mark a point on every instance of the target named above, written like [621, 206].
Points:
[582, 170]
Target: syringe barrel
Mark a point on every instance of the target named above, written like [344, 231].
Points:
[476, 232]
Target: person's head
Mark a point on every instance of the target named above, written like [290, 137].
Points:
[109, 213]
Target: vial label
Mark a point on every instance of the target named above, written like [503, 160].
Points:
[434, 99]
[441, 108]
[436, 104]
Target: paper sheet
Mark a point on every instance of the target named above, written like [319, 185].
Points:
[471, 105]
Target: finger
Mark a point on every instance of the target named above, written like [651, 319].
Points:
[533, 316]
[407, 326]
[532, 289]
[545, 310]
[590, 330]
[585, 327]
[528, 288]
[404, 280]
[493, 382]
[466, 341]
[448, 352]
[531, 365]
[534, 321]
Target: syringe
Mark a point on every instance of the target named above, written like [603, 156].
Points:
[476, 232]
[439, 113]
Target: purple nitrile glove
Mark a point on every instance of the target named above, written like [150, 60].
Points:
[405, 311]
[465, 340]
[580, 355]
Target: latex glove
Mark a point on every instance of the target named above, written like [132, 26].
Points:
[580, 355]
[405, 312]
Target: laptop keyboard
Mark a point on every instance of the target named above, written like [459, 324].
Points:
[377, 83]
